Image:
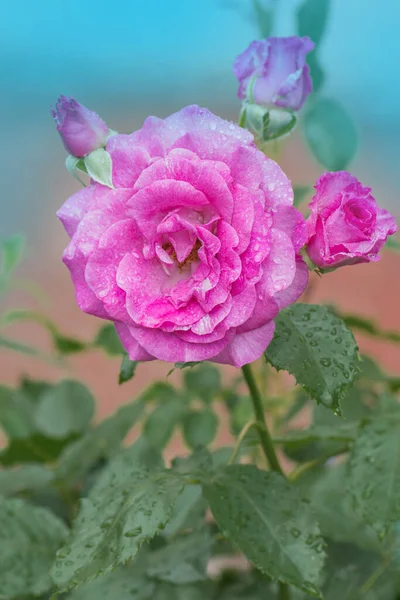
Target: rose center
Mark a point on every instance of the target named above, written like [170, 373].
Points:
[191, 257]
[361, 213]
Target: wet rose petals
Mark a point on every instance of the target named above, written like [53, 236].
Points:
[195, 250]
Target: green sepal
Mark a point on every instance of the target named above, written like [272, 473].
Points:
[99, 166]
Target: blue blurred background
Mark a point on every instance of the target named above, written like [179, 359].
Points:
[130, 58]
[127, 59]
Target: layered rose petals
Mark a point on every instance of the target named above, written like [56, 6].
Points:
[195, 251]
[346, 226]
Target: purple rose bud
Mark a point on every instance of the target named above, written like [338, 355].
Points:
[346, 226]
[81, 129]
[273, 72]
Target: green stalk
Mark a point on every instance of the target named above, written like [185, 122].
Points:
[265, 436]
[266, 443]
[284, 591]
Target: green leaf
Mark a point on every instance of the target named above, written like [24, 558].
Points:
[222, 455]
[348, 569]
[317, 348]
[333, 508]
[160, 391]
[387, 407]
[127, 506]
[203, 381]
[63, 344]
[267, 123]
[73, 165]
[182, 561]
[250, 586]
[66, 345]
[161, 423]
[16, 413]
[198, 462]
[279, 124]
[186, 365]
[18, 418]
[140, 456]
[107, 339]
[29, 539]
[312, 17]
[35, 448]
[369, 327]
[264, 516]
[99, 166]
[241, 413]
[127, 370]
[12, 250]
[316, 71]
[65, 409]
[392, 244]
[374, 472]
[27, 478]
[199, 591]
[344, 432]
[370, 371]
[190, 507]
[33, 389]
[301, 192]
[264, 17]
[189, 511]
[298, 403]
[125, 583]
[200, 427]
[394, 384]
[330, 133]
[355, 407]
[102, 442]
[20, 348]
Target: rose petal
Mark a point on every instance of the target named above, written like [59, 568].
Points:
[134, 350]
[246, 347]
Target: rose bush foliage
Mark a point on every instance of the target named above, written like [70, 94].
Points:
[195, 250]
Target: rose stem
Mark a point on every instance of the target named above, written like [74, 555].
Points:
[265, 436]
[284, 591]
[266, 443]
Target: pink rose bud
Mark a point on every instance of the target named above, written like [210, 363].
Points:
[273, 72]
[81, 129]
[346, 226]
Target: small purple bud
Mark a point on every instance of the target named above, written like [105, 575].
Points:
[81, 129]
[273, 72]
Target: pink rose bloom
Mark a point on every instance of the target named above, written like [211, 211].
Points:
[346, 226]
[194, 252]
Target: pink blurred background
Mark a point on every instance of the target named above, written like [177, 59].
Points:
[149, 59]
